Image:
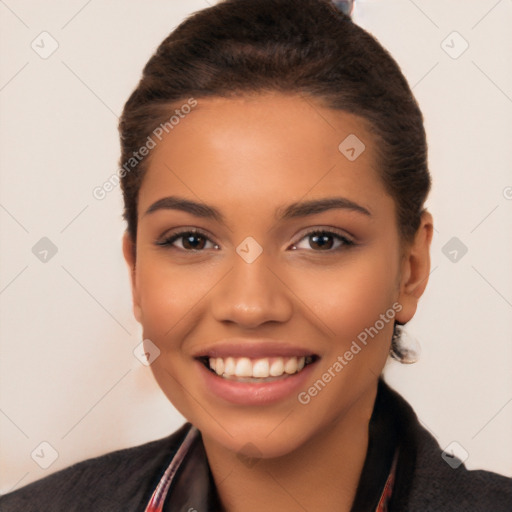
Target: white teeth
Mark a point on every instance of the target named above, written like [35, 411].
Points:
[260, 368]
[290, 366]
[243, 367]
[277, 367]
[257, 368]
[219, 365]
[229, 366]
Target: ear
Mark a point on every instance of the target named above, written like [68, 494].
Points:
[129, 253]
[415, 269]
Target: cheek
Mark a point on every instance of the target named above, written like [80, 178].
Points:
[170, 299]
[169, 294]
[360, 300]
[352, 296]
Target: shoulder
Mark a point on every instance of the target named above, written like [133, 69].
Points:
[119, 480]
[426, 481]
[452, 487]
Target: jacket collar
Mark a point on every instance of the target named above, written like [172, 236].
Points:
[187, 483]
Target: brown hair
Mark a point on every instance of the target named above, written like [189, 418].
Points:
[307, 47]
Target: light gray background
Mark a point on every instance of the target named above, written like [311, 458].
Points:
[68, 374]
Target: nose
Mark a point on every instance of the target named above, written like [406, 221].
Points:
[252, 294]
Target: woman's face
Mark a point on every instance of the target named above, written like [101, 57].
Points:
[296, 261]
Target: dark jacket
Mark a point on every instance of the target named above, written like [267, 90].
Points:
[124, 480]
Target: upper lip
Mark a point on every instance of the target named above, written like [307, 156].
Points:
[240, 347]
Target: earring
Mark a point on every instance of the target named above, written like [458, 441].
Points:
[404, 348]
[345, 6]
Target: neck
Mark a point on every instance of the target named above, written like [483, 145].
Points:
[321, 474]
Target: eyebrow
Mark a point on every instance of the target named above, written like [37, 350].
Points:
[294, 210]
[302, 209]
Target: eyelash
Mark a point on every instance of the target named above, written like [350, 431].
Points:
[345, 241]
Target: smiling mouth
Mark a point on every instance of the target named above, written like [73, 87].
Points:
[263, 369]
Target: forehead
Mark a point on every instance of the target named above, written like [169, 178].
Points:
[260, 149]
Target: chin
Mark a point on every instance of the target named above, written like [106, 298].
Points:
[259, 437]
[256, 444]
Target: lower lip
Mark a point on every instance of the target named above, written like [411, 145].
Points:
[254, 393]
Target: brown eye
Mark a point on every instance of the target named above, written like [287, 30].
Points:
[190, 241]
[193, 242]
[322, 240]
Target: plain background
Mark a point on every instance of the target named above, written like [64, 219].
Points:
[68, 374]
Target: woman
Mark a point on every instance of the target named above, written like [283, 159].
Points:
[274, 173]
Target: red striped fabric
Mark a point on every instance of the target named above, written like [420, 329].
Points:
[157, 500]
